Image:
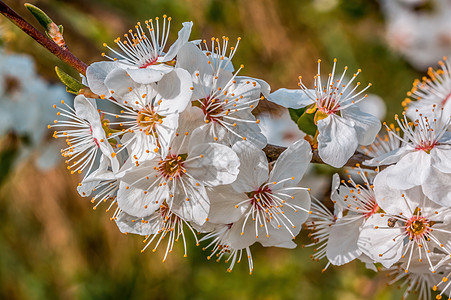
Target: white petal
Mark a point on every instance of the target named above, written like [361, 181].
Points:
[223, 200]
[189, 120]
[166, 132]
[86, 109]
[409, 171]
[218, 164]
[209, 133]
[131, 197]
[342, 245]
[174, 91]
[378, 243]
[133, 201]
[120, 83]
[388, 158]
[390, 199]
[96, 74]
[437, 186]
[367, 126]
[292, 163]
[337, 140]
[182, 39]
[264, 86]
[290, 98]
[131, 224]
[253, 167]
[239, 239]
[197, 207]
[441, 158]
[249, 130]
[148, 75]
[193, 60]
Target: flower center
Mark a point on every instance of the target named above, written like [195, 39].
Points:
[149, 62]
[147, 118]
[212, 109]
[417, 227]
[260, 198]
[374, 210]
[172, 167]
[426, 146]
[12, 84]
[445, 100]
[328, 106]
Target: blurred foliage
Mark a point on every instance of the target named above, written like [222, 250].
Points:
[52, 246]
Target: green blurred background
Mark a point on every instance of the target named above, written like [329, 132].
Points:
[54, 246]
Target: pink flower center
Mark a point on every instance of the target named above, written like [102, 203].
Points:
[426, 146]
[328, 106]
[149, 62]
[211, 109]
[260, 198]
[95, 140]
[373, 210]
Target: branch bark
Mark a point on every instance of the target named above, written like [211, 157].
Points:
[63, 54]
[272, 151]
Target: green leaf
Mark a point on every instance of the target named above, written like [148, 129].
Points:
[295, 114]
[72, 84]
[306, 123]
[60, 27]
[41, 16]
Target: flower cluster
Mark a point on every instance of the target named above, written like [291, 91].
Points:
[167, 137]
[397, 215]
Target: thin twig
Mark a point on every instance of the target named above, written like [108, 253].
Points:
[61, 53]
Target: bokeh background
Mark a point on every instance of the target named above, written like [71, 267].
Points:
[54, 246]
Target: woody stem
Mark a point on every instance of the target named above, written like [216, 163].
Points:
[63, 54]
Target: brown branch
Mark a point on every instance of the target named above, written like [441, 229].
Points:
[273, 152]
[63, 54]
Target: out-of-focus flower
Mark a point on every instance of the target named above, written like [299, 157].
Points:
[279, 130]
[26, 97]
[421, 35]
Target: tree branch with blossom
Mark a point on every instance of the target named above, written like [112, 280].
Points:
[272, 151]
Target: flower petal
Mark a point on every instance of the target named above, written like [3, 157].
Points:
[409, 171]
[223, 202]
[381, 243]
[342, 245]
[292, 163]
[96, 74]
[437, 186]
[367, 126]
[148, 75]
[190, 200]
[182, 39]
[174, 92]
[337, 140]
[253, 167]
[215, 164]
[290, 98]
